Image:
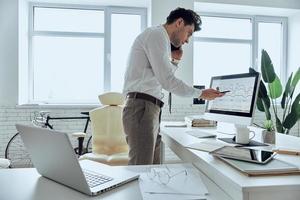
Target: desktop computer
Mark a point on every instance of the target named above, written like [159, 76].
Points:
[237, 106]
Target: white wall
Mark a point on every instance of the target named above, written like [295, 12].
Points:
[8, 52]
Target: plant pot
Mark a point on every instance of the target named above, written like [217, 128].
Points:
[268, 137]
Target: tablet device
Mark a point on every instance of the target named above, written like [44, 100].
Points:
[244, 154]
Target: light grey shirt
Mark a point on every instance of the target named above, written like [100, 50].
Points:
[149, 69]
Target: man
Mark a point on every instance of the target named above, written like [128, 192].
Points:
[149, 70]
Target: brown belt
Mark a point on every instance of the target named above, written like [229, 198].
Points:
[147, 97]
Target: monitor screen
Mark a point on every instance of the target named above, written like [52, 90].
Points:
[240, 94]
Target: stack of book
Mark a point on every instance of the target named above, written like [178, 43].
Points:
[199, 121]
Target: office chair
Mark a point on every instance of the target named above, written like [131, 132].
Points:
[4, 163]
[108, 139]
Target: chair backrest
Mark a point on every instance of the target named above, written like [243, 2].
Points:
[107, 128]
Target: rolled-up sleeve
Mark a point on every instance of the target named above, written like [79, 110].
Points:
[157, 52]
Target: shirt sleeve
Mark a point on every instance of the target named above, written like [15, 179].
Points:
[156, 48]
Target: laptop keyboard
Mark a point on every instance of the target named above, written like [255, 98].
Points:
[94, 179]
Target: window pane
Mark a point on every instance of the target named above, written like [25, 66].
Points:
[67, 70]
[220, 27]
[213, 59]
[69, 20]
[270, 39]
[121, 41]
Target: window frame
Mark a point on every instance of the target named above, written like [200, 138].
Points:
[106, 35]
[255, 20]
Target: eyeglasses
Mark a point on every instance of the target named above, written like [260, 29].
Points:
[164, 176]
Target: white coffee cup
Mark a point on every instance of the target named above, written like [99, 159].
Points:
[242, 135]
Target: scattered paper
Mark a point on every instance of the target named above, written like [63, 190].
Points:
[208, 145]
[175, 124]
[200, 134]
[180, 187]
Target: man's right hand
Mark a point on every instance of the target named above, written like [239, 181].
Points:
[210, 94]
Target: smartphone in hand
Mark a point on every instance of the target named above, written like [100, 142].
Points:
[224, 92]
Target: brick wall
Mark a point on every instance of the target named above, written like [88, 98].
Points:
[10, 115]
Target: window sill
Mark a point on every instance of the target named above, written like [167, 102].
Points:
[58, 106]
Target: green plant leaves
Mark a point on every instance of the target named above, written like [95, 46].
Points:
[263, 105]
[260, 105]
[286, 91]
[262, 91]
[279, 126]
[267, 68]
[251, 70]
[296, 106]
[296, 79]
[263, 101]
[292, 118]
[265, 97]
[275, 88]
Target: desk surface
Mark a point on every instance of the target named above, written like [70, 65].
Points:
[233, 182]
[27, 184]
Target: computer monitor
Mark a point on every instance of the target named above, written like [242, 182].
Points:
[237, 106]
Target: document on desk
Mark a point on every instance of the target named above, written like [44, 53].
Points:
[200, 134]
[178, 124]
[180, 186]
[207, 145]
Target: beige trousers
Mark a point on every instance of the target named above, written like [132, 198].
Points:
[141, 121]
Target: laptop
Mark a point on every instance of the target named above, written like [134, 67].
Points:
[54, 158]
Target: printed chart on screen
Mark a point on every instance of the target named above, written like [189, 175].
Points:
[238, 99]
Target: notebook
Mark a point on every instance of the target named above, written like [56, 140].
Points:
[274, 167]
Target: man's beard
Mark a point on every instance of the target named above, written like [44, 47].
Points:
[175, 40]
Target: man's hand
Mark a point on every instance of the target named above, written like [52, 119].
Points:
[177, 54]
[210, 94]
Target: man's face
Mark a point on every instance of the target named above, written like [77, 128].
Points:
[182, 33]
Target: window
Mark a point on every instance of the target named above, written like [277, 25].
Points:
[230, 44]
[77, 53]
[270, 38]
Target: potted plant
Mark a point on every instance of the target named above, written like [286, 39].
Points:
[268, 135]
[271, 89]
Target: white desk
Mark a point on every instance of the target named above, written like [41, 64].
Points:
[237, 185]
[27, 184]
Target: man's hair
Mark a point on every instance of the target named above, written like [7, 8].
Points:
[189, 17]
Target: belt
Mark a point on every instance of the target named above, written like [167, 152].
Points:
[147, 97]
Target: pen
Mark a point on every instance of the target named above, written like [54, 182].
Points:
[287, 151]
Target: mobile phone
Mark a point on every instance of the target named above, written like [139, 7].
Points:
[224, 92]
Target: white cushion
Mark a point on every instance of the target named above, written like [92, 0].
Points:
[115, 159]
[111, 98]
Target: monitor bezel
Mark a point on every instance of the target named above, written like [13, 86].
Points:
[254, 95]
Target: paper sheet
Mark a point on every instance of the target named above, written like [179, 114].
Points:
[175, 124]
[200, 134]
[208, 145]
[181, 186]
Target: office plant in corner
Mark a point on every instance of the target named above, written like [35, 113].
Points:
[271, 89]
